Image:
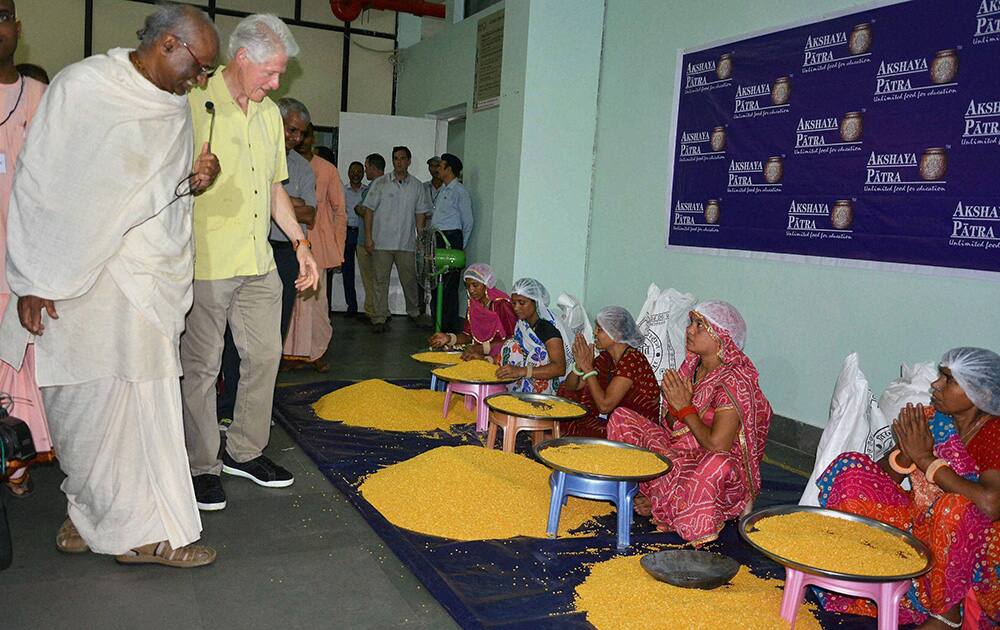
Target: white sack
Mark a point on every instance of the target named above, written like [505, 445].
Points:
[575, 317]
[662, 322]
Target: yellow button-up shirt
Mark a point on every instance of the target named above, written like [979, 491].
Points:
[232, 218]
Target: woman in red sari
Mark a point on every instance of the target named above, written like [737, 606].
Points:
[620, 376]
[714, 431]
[489, 321]
[951, 454]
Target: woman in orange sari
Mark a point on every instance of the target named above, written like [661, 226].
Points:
[950, 452]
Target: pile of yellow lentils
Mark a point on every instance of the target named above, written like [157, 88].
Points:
[438, 358]
[618, 594]
[549, 408]
[600, 459]
[376, 404]
[472, 493]
[836, 544]
[475, 371]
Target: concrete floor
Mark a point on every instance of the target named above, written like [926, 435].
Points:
[299, 557]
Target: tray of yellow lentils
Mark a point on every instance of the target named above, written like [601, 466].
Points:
[535, 406]
[475, 371]
[602, 459]
[835, 544]
[437, 357]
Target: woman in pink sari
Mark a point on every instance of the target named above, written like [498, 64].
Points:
[714, 430]
[489, 321]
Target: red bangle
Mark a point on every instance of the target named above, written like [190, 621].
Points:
[686, 411]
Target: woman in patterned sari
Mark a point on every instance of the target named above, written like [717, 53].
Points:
[489, 322]
[714, 430]
[539, 352]
[620, 376]
[951, 454]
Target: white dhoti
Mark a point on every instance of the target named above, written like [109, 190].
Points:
[121, 446]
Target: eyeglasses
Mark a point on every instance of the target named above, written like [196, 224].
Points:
[203, 69]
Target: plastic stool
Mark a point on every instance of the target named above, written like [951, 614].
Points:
[885, 594]
[512, 425]
[475, 393]
[620, 493]
[436, 384]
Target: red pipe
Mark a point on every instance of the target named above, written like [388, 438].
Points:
[349, 10]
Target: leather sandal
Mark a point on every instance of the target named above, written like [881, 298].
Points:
[21, 487]
[68, 539]
[187, 557]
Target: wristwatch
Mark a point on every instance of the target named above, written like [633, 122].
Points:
[301, 241]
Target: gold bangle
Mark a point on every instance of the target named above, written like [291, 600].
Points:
[895, 465]
[529, 369]
[452, 339]
[932, 469]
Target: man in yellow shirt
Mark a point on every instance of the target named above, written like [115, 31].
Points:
[235, 279]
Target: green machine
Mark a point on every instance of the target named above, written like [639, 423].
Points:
[432, 263]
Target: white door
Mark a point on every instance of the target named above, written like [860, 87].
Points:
[363, 134]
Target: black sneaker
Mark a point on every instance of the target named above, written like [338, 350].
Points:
[208, 493]
[261, 471]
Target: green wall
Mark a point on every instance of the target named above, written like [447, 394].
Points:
[803, 319]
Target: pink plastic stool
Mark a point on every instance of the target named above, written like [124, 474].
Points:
[475, 393]
[885, 594]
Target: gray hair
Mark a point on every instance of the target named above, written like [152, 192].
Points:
[287, 105]
[176, 19]
[263, 36]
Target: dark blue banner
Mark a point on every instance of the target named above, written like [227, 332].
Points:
[868, 137]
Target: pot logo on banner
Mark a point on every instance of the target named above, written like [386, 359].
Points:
[975, 226]
[978, 128]
[832, 51]
[987, 23]
[696, 216]
[704, 76]
[754, 176]
[907, 172]
[701, 146]
[830, 134]
[915, 78]
[818, 220]
[762, 99]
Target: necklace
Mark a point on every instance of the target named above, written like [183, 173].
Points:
[134, 58]
[976, 426]
[20, 92]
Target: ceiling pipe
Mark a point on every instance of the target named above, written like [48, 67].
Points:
[349, 10]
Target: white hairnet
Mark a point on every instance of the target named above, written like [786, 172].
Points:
[620, 325]
[536, 292]
[977, 371]
[725, 316]
[482, 273]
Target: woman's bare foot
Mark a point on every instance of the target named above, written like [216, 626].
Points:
[642, 506]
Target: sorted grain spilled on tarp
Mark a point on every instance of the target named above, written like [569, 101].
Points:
[377, 404]
[438, 358]
[476, 371]
[472, 493]
[601, 459]
[619, 594]
[549, 408]
[836, 544]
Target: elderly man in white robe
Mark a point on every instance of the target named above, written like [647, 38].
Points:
[100, 258]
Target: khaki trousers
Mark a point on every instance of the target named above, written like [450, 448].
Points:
[367, 278]
[406, 267]
[252, 306]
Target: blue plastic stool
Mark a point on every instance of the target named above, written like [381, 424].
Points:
[620, 493]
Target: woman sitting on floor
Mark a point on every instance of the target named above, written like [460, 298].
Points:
[489, 322]
[951, 454]
[620, 376]
[538, 352]
[714, 432]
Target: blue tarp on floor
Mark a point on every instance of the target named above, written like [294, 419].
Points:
[498, 584]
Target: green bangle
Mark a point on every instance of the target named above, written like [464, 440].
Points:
[589, 374]
[575, 369]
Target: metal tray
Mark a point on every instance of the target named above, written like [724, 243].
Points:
[539, 448]
[688, 568]
[537, 400]
[454, 352]
[748, 522]
[451, 379]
